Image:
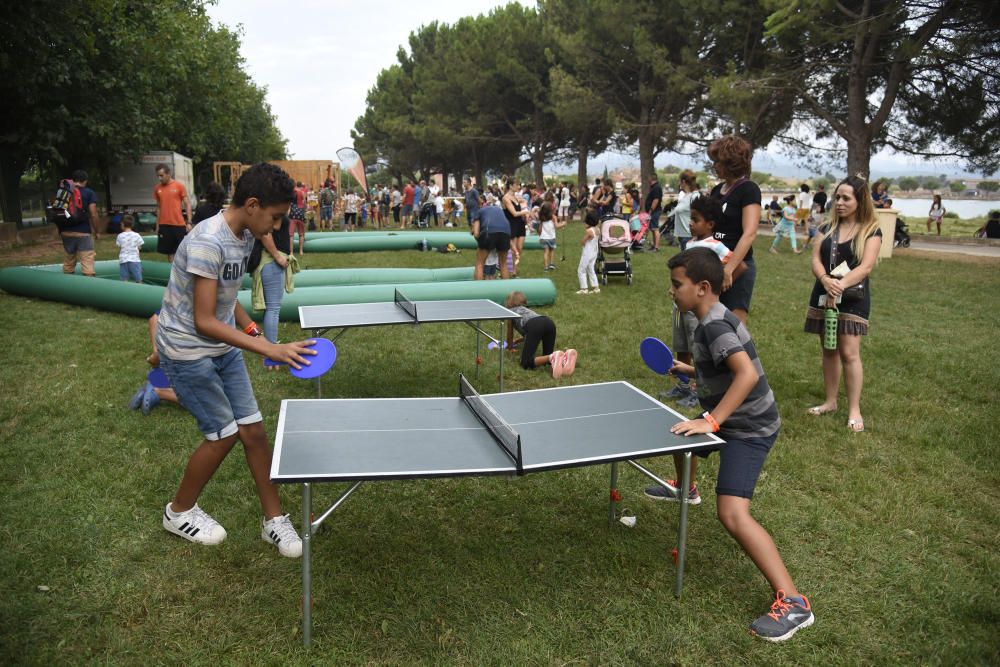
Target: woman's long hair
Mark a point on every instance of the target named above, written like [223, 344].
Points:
[865, 214]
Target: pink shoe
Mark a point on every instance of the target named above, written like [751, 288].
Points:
[556, 362]
[569, 362]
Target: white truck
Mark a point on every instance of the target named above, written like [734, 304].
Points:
[132, 183]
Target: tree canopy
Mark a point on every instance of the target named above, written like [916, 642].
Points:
[841, 79]
[88, 83]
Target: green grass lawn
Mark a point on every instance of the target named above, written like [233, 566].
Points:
[892, 533]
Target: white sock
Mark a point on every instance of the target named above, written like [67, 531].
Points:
[170, 511]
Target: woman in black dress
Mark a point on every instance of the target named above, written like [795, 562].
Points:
[740, 197]
[516, 214]
[853, 238]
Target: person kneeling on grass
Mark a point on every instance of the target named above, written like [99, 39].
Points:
[197, 339]
[537, 328]
[739, 406]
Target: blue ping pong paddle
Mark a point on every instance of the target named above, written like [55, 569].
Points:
[492, 346]
[658, 357]
[158, 378]
[326, 355]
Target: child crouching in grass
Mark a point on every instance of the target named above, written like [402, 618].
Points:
[739, 405]
[537, 329]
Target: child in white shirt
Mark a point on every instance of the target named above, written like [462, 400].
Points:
[547, 234]
[128, 242]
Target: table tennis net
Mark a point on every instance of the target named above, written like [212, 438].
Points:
[501, 431]
[405, 304]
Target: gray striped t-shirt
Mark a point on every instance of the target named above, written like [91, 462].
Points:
[210, 250]
[719, 335]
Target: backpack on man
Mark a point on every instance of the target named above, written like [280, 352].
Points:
[67, 209]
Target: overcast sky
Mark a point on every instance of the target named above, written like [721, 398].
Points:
[318, 58]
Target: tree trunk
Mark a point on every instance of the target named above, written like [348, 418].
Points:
[11, 168]
[646, 168]
[858, 156]
[538, 162]
[581, 167]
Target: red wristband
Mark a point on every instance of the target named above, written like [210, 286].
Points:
[707, 416]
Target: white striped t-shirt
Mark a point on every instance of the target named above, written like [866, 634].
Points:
[210, 250]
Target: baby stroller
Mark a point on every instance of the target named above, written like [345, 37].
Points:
[424, 217]
[614, 249]
[639, 225]
[901, 239]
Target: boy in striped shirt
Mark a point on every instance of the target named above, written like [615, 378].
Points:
[739, 405]
[200, 336]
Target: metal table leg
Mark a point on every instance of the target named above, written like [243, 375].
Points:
[306, 565]
[502, 351]
[613, 496]
[682, 526]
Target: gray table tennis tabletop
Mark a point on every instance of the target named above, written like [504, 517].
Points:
[347, 315]
[473, 312]
[365, 439]
[327, 440]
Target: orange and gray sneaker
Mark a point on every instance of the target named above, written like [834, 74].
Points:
[788, 615]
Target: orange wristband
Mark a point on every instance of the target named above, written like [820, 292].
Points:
[252, 330]
[707, 416]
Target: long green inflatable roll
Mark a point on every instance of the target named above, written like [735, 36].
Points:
[158, 273]
[349, 242]
[144, 300]
[104, 294]
[378, 240]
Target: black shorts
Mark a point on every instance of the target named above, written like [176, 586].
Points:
[739, 295]
[169, 238]
[517, 228]
[740, 463]
[494, 241]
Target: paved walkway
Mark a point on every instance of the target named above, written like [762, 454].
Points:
[952, 248]
[930, 246]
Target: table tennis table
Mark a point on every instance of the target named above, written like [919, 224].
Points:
[368, 439]
[341, 317]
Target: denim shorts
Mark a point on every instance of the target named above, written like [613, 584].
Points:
[130, 271]
[548, 243]
[216, 390]
[739, 295]
[740, 463]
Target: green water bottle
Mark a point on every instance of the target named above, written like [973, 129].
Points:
[830, 329]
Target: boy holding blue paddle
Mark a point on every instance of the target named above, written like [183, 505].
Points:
[200, 336]
[740, 407]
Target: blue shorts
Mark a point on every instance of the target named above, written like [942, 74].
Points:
[548, 243]
[326, 212]
[216, 390]
[490, 269]
[130, 271]
[740, 463]
[739, 295]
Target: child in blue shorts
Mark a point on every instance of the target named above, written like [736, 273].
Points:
[739, 405]
[199, 337]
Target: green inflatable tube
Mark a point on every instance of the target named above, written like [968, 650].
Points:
[104, 294]
[381, 240]
[158, 273]
[143, 300]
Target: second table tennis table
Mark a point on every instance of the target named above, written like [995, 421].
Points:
[368, 439]
[341, 317]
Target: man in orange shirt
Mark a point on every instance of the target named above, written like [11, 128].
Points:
[170, 225]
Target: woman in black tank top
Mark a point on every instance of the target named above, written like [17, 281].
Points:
[515, 215]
